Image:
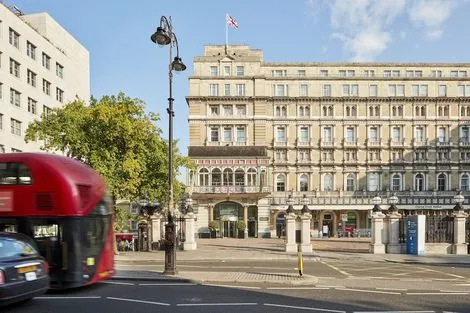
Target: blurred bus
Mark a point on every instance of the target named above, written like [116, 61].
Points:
[63, 205]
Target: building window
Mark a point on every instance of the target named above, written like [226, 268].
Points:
[228, 110]
[214, 71]
[414, 73]
[442, 90]
[251, 177]
[350, 135]
[280, 90]
[396, 182]
[419, 134]
[59, 70]
[14, 68]
[396, 134]
[397, 110]
[373, 91]
[351, 111]
[14, 38]
[455, 74]
[280, 155]
[436, 73]
[374, 110]
[214, 109]
[442, 134]
[240, 71]
[326, 90]
[303, 90]
[213, 90]
[240, 90]
[443, 110]
[32, 106]
[303, 134]
[46, 110]
[327, 110]
[373, 135]
[241, 110]
[369, 73]
[350, 90]
[226, 89]
[419, 90]
[15, 97]
[420, 110]
[372, 182]
[31, 50]
[31, 78]
[303, 182]
[281, 110]
[46, 87]
[241, 134]
[216, 177]
[328, 182]
[441, 182]
[228, 134]
[351, 182]
[463, 90]
[46, 61]
[327, 134]
[279, 73]
[214, 134]
[396, 90]
[15, 127]
[301, 73]
[1, 121]
[228, 177]
[280, 182]
[59, 95]
[281, 134]
[324, 73]
[464, 182]
[419, 182]
[304, 155]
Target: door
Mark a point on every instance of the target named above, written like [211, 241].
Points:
[229, 229]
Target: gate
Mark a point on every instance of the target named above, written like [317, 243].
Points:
[180, 223]
[467, 233]
[439, 228]
[402, 230]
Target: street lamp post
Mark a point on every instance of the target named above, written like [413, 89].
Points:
[376, 201]
[458, 199]
[163, 36]
[148, 209]
[393, 200]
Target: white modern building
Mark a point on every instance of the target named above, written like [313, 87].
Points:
[41, 67]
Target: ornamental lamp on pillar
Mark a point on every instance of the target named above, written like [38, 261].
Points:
[376, 201]
[458, 199]
[305, 209]
[290, 207]
[393, 200]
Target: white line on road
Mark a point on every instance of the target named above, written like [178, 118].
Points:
[394, 289]
[116, 283]
[216, 304]
[232, 286]
[326, 286]
[436, 293]
[66, 298]
[167, 284]
[394, 311]
[303, 308]
[298, 288]
[138, 301]
[335, 268]
[441, 272]
[370, 291]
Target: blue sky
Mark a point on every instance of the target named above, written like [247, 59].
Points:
[123, 58]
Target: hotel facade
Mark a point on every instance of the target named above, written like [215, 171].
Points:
[42, 67]
[331, 136]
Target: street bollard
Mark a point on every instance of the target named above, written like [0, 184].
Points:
[300, 262]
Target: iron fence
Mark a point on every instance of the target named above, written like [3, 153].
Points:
[402, 230]
[439, 228]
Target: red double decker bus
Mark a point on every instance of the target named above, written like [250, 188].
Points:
[62, 204]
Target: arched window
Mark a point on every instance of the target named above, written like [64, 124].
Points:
[216, 177]
[353, 111]
[281, 182]
[464, 182]
[439, 111]
[301, 111]
[284, 111]
[423, 111]
[328, 182]
[239, 177]
[278, 111]
[307, 111]
[203, 177]
[396, 182]
[441, 182]
[251, 177]
[462, 111]
[377, 111]
[324, 111]
[228, 177]
[372, 182]
[417, 111]
[348, 112]
[330, 111]
[371, 111]
[446, 110]
[303, 182]
[394, 111]
[351, 182]
[419, 182]
[468, 111]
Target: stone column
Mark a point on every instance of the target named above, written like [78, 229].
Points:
[245, 219]
[377, 246]
[393, 221]
[156, 227]
[211, 212]
[459, 246]
[306, 244]
[291, 246]
[189, 225]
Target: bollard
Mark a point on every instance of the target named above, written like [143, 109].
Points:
[300, 263]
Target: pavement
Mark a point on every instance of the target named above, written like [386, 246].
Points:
[265, 249]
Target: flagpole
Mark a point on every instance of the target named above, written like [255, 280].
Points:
[226, 32]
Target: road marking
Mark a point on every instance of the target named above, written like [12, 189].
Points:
[435, 271]
[298, 288]
[167, 284]
[447, 291]
[395, 289]
[231, 286]
[216, 304]
[138, 301]
[370, 291]
[336, 269]
[326, 286]
[436, 293]
[66, 298]
[302, 308]
[116, 283]
[369, 268]
[394, 311]
[462, 284]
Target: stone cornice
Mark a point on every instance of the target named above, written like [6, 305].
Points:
[397, 100]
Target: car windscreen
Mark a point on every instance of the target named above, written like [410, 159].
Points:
[10, 247]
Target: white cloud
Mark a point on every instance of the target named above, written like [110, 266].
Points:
[365, 26]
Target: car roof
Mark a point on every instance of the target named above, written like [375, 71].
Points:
[16, 236]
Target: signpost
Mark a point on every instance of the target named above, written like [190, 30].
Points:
[415, 226]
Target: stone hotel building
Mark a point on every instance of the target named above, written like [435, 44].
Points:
[331, 136]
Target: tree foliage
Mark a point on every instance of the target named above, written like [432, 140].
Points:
[117, 138]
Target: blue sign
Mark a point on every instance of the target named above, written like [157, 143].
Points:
[412, 234]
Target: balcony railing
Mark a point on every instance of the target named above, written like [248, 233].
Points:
[374, 143]
[327, 143]
[444, 142]
[304, 143]
[230, 189]
[420, 142]
[280, 143]
[350, 143]
[397, 143]
[226, 143]
[464, 142]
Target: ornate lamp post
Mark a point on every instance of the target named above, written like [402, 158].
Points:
[148, 209]
[376, 201]
[290, 206]
[393, 200]
[458, 199]
[163, 36]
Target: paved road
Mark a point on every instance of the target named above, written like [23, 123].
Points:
[145, 296]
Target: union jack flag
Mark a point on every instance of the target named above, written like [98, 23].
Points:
[231, 21]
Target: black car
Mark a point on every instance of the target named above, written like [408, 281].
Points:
[23, 272]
